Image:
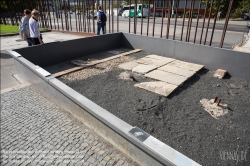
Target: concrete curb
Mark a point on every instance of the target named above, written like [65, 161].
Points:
[13, 34]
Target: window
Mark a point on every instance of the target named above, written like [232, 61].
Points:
[158, 3]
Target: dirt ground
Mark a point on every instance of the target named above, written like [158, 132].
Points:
[179, 120]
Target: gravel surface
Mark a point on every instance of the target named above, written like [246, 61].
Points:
[179, 120]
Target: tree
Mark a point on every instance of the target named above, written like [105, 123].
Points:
[223, 6]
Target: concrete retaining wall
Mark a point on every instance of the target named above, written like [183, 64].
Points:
[150, 151]
[236, 63]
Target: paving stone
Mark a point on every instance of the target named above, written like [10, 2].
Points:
[128, 65]
[161, 88]
[177, 70]
[186, 65]
[151, 61]
[166, 77]
[162, 58]
[143, 69]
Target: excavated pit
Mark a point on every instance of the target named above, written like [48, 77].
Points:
[178, 120]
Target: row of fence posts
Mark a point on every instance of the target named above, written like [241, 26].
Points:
[52, 12]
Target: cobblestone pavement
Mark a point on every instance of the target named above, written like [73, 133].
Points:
[34, 131]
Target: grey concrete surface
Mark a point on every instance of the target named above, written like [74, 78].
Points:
[7, 71]
[37, 132]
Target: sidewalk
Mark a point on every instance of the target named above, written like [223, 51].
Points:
[245, 46]
[34, 131]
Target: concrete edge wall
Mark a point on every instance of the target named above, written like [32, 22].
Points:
[110, 127]
[49, 54]
[236, 63]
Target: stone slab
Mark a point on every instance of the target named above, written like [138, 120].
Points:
[165, 59]
[177, 70]
[153, 61]
[220, 73]
[128, 65]
[143, 69]
[186, 65]
[167, 77]
[159, 87]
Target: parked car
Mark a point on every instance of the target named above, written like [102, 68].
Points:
[246, 16]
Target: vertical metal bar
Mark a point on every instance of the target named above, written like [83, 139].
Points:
[176, 13]
[226, 23]
[53, 13]
[65, 16]
[70, 16]
[109, 16]
[190, 26]
[89, 17]
[169, 9]
[135, 15]
[84, 16]
[93, 15]
[204, 19]
[153, 32]
[183, 21]
[162, 18]
[197, 23]
[102, 5]
[105, 13]
[149, 10]
[112, 9]
[80, 18]
[75, 15]
[61, 15]
[87, 4]
[57, 13]
[189, 13]
[218, 6]
[210, 11]
[117, 20]
[44, 14]
[142, 15]
[49, 14]
[129, 16]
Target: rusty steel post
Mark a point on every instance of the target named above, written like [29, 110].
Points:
[75, 15]
[129, 16]
[210, 11]
[135, 15]
[169, 14]
[204, 20]
[197, 23]
[176, 13]
[191, 2]
[117, 20]
[226, 23]
[109, 16]
[112, 9]
[183, 21]
[149, 10]
[93, 15]
[162, 18]
[142, 16]
[49, 14]
[61, 15]
[190, 26]
[53, 15]
[218, 6]
[65, 16]
[105, 13]
[83, 17]
[153, 33]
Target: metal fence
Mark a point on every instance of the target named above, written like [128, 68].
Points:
[79, 16]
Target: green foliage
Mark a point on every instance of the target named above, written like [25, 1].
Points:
[6, 29]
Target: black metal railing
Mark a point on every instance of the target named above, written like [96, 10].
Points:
[79, 16]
